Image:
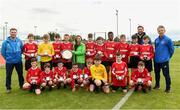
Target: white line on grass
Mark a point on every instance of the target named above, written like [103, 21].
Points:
[123, 100]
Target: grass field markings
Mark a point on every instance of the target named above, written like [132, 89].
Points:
[123, 100]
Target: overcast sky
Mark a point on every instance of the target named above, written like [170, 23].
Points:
[85, 16]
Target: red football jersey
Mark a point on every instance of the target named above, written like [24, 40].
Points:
[34, 74]
[57, 50]
[110, 50]
[145, 75]
[66, 46]
[146, 51]
[46, 76]
[119, 70]
[75, 76]
[134, 50]
[30, 48]
[123, 49]
[100, 49]
[87, 71]
[60, 72]
[90, 49]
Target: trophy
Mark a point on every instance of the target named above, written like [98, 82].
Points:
[60, 79]
[135, 53]
[99, 52]
[85, 76]
[81, 76]
[74, 76]
[139, 81]
[110, 55]
[47, 78]
[145, 57]
[32, 54]
[88, 53]
[45, 53]
[56, 56]
[33, 81]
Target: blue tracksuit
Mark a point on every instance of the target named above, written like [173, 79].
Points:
[164, 50]
[11, 50]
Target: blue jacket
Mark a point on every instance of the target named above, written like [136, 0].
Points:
[164, 49]
[11, 50]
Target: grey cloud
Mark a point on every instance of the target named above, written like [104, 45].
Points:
[97, 2]
[65, 27]
[44, 10]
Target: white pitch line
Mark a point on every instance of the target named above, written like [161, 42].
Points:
[123, 100]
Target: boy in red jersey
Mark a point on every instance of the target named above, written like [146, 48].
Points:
[87, 79]
[90, 47]
[30, 51]
[141, 78]
[47, 77]
[33, 78]
[66, 45]
[109, 53]
[76, 77]
[100, 48]
[60, 74]
[134, 50]
[119, 74]
[147, 53]
[57, 49]
[123, 48]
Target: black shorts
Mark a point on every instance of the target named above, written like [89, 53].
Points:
[27, 64]
[148, 65]
[133, 62]
[68, 65]
[43, 63]
[81, 65]
[91, 81]
[107, 63]
[102, 83]
[117, 87]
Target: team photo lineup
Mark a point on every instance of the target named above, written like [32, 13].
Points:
[96, 65]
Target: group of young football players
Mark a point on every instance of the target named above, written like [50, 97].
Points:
[107, 65]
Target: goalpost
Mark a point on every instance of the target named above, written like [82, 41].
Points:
[97, 34]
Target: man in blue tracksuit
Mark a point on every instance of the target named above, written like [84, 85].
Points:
[11, 51]
[164, 50]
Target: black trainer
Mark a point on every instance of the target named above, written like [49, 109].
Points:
[156, 87]
[167, 91]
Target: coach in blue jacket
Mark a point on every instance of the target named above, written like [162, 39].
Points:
[11, 51]
[164, 50]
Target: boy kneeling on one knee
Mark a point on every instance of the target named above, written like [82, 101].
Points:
[33, 78]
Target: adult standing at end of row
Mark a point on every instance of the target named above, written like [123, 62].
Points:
[164, 50]
[12, 52]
